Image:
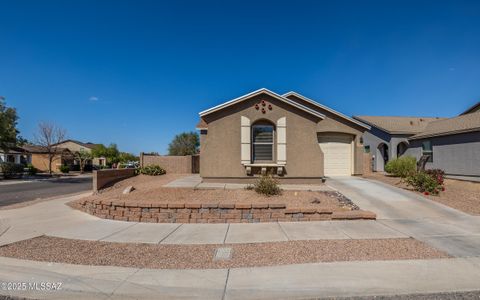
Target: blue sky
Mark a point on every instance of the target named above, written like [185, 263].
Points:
[137, 72]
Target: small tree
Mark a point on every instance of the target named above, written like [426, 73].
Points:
[82, 157]
[48, 136]
[185, 143]
[110, 153]
[8, 123]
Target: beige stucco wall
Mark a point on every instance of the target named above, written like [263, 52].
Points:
[220, 151]
[334, 123]
[40, 161]
[73, 147]
[220, 147]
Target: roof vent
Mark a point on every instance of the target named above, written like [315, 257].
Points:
[411, 123]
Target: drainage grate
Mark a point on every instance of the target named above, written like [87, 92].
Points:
[223, 254]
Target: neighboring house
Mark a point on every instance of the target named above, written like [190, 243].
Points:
[388, 136]
[288, 135]
[76, 146]
[453, 144]
[15, 155]
[39, 157]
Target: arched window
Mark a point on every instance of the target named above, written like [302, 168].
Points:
[262, 142]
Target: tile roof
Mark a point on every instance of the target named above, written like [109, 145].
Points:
[40, 149]
[398, 125]
[464, 123]
[472, 109]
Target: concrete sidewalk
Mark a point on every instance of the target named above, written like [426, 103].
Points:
[340, 279]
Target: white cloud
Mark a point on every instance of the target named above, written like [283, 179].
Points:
[93, 98]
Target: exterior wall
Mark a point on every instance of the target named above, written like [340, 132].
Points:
[40, 161]
[334, 123]
[104, 178]
[375, 137]
[455, 154]
[220, 154]
[171, 164]
[73, 147]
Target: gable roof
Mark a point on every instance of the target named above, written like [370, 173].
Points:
[463, 123]
[41, 149]
[315, 103]
[398, 125]
[258, 92]
[472, 109]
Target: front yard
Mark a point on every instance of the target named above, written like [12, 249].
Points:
[152, 202]
[461, 195]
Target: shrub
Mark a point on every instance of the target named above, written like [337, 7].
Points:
[402, 166]
[31, 169]
[11, 170]
[424, 183]
[438, 174]
[267, 185]
[153, 170]
[64, 169]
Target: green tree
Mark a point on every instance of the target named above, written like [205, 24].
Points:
[126, 157]
[185, 143]
[8, 123]
[82, 157]
[110, 153]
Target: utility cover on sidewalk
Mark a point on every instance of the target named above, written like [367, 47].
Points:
[223, 254]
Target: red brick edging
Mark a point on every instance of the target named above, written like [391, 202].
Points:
[211, 212]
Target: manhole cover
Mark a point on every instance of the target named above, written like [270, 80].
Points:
[223, 254]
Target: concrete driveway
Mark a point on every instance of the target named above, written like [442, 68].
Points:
[409, 213]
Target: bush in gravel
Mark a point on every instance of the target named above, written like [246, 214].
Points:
[267, 185]
[438, 174]
[402, 166]
[64, 169]
[31, 170]
[424, 183]
[153, 170]
[11, 170]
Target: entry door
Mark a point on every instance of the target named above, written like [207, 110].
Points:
[337, 154]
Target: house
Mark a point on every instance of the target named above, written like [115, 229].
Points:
[76, 146]
[290, 136]
[453, 144]
[16, 155]
[388, 137]
[39, 157]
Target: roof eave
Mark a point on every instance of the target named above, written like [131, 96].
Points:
[257, 92]
[426, 136]
[313, 102]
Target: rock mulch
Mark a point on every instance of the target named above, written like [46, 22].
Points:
[83, 252]
[461, 195]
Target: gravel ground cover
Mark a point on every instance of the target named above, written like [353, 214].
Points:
[470, 295]
[461, 195]
[61, 250]
[150, 189]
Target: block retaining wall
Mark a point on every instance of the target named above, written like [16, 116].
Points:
[211, 213]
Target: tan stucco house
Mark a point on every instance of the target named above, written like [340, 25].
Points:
[76, 146]
[290, 136]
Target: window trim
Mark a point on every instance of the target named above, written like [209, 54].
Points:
[253, 143]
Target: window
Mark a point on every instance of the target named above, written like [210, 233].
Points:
[262, 143]
[427, 150]
[367, 149]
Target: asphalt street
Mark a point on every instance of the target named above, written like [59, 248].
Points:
[22, 192]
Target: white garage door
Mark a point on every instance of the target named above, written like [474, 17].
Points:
[337, 154]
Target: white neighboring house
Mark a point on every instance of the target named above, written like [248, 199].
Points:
[16, 155]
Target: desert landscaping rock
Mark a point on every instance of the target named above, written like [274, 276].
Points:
[201, 256]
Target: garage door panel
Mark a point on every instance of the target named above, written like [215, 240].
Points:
[337, 153]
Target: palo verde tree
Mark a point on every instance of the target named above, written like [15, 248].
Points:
[49, 136]
[82, 157]
[8, 124]
[185, 143]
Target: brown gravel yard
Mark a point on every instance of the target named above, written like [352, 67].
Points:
[461, 195]
[53, 249]
[150, 189]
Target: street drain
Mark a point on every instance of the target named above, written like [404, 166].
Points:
[223, 254]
